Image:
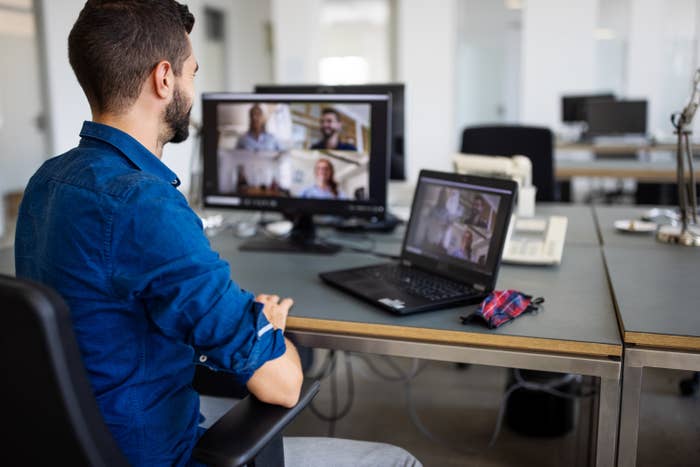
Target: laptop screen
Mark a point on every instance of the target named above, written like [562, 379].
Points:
[460, 222]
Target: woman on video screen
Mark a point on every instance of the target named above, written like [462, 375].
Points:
[325, 186]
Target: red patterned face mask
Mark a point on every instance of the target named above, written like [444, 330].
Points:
[502, 306]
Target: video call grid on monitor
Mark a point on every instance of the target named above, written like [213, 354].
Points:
[395, 90]
[301, 152]
[458, 223]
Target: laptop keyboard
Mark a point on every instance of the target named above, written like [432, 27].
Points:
[419, 283]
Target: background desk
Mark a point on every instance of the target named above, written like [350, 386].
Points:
[575, 333]
[655, 286]
[652, 164]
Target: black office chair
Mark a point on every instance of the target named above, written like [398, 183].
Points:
[508, 140]
[51, 415]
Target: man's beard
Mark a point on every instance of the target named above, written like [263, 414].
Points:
[177, 119]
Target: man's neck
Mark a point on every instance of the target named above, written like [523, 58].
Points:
[143, 129]
[332, 141]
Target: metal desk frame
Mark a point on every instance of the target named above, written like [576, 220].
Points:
[608, 370]
[636, 359]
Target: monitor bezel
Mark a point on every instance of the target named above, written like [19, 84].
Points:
[375, 207]
[452, 270]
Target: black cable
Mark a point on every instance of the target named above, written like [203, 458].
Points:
[347, 247]
[335, 414]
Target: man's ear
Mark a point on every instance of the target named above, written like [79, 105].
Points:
[163, 79]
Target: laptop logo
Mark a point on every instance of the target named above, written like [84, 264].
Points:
[393, 303]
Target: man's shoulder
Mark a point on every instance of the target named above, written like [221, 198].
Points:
[101, 172]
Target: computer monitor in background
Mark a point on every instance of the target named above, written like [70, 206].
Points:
[396, 90]
[573, 108]
[268, 152]
[617, 118]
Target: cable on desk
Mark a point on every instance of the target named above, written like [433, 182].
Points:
[345, 246]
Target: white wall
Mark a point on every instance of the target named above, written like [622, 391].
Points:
[296, 40]
[662, 58]
[22, 141]
[426, 41]
[558, 56]
[67, 106]
[488, 62]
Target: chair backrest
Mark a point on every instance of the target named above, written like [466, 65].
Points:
[507, 140]
[51, 415]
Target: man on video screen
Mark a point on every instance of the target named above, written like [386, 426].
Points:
[330, 131]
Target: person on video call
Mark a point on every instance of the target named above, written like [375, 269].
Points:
[325, 186]
[464, 250]
[446, 210]
[330, 131]
[256, 138]
[106, 227]
[478, 213]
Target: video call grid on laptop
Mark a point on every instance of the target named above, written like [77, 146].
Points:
[451, 250]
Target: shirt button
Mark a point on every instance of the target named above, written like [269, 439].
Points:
[202, 358]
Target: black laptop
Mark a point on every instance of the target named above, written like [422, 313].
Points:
[451, 250]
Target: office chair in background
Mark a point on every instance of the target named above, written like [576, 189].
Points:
[507, 140]
[51, 415]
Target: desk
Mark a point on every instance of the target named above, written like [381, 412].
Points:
[653, 164]
[575, 333]
[656, 296]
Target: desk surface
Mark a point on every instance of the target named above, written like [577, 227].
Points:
[654, 284]
[657, 295]
[578, 317]
[606, 217]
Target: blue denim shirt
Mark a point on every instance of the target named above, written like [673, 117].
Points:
[105, 226]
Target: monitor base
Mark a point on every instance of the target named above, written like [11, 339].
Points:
[289, 246]
[301, 239]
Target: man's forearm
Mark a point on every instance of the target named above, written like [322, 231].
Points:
[279, 381]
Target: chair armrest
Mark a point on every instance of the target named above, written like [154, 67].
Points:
[237, 437]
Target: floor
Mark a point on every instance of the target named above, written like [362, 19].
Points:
[459, 407]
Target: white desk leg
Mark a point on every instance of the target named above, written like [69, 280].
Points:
[629, 415]
[608, 416]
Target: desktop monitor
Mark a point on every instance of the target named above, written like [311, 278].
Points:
[573, 108]
[617, 118]
[396, 90]
[298, 154]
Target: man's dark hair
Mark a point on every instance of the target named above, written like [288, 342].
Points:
[329, 110]
[115, 44]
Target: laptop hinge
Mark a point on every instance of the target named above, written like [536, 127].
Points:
[479, 287]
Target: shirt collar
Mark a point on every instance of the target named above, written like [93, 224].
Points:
[131, 149]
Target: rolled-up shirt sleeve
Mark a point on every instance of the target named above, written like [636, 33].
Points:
[167, 264]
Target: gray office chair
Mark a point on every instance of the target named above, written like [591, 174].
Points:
[52, 417]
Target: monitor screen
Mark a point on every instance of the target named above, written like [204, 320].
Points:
[617, 118]
[297, 154]
[573, 108]
[396, 90]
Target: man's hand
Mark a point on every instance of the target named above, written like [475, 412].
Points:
[275, 311]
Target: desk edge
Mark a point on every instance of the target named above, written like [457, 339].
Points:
[454, 337]
[664, 341]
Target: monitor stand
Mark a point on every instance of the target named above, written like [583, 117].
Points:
[301, 239]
